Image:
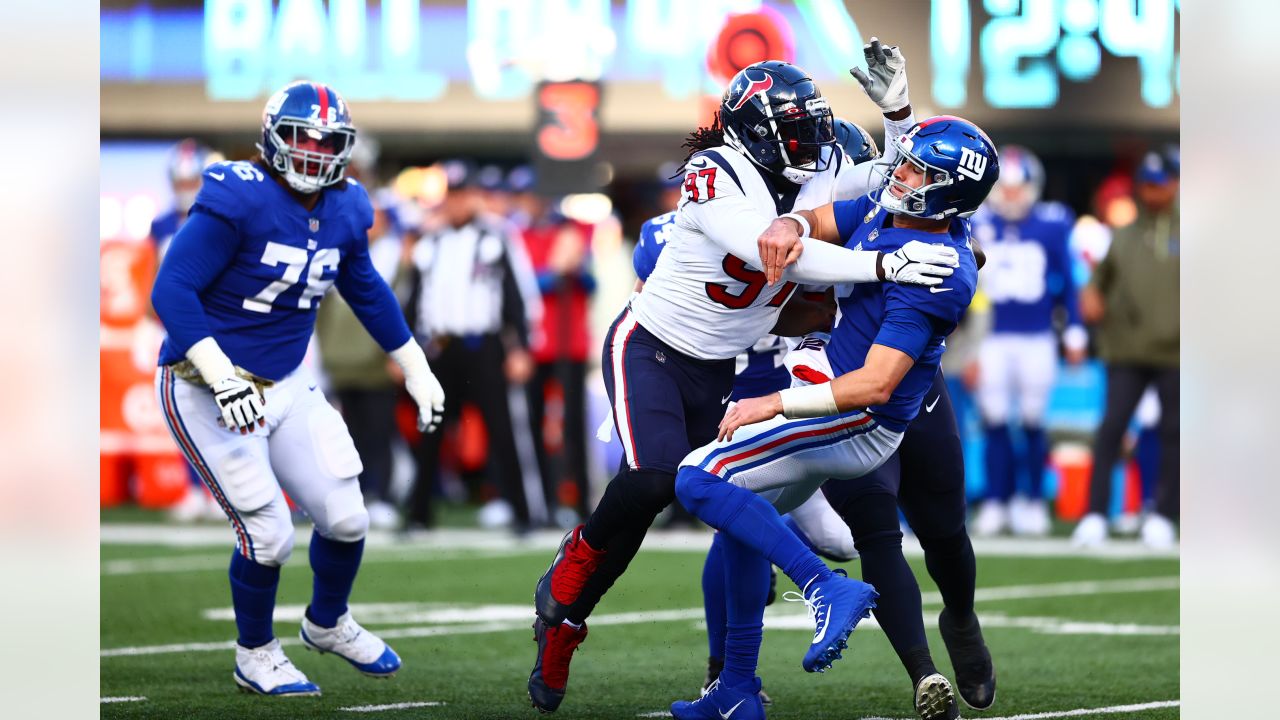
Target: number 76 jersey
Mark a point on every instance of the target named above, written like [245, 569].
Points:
[261, 306]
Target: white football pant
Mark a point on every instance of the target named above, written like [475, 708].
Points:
[1017, 368]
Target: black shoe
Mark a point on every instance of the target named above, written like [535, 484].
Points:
[714, 666]
[975, 673]
[550, 676]
[934, 699]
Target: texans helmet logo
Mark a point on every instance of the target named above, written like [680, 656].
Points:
[756, 86]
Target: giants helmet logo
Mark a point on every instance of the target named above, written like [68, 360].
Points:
[745, 91]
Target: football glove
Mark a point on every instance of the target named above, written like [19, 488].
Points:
[918, 263]
[885, 79]
[422, 385]
[240, 403]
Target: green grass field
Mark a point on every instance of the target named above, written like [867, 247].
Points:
[1067, 633]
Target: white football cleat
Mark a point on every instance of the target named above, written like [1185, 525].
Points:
[266, 671]
[1091, 532]
[365, 651]
[1029, 517]
[991, 519]
[1158, 532]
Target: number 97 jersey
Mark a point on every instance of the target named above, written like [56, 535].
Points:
[261, 307]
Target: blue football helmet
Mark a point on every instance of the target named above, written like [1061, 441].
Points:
[773, 113]
[307, 136]
[959, 164]
[1020, 184]
[856, 142]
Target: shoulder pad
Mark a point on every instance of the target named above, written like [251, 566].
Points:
[710, 174]
[232, 190]
[359, 204]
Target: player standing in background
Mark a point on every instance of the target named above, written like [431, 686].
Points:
[1028, 277]
[668, 359]
[237, 294]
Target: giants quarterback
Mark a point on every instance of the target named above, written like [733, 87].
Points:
[237, 294]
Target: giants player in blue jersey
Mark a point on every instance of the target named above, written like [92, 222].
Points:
[1029, 276]
[237, 294]
[774, 451]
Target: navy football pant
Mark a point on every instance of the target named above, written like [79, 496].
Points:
[664, 404]
[925, 478]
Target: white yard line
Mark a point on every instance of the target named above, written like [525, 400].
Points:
[468, 620]
[128, 698]
[1113, 710]
[392, 706]
[498, 541]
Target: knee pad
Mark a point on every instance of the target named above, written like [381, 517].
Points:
[273, 547]
[648, 491]
[346, 519]
[246, 480]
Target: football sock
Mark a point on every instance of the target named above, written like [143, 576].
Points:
[952, 566]
[800, 533]
[253, 594]
[335, 565]
[999, 461]
[878, 538]
[1037, 456]
[750, 519]
[714, 588]
[630, 502]
[747, 577]
[918, 662]
[1148, 456]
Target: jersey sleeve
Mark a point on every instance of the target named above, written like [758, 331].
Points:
[232, 190]
[906, 329]
[649, 246]
[848, 213]
[360, 207]
[202, 249]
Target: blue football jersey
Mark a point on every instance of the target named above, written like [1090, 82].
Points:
[760, 370]
[260, 283]
[911, 318]
[1028, 271]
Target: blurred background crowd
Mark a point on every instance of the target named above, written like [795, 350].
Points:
[513, 152]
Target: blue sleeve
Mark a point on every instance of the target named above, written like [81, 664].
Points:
[204, 246]
[645, 256]
[1069, 298]
[847, 212]
[906, 329]
[370, 298]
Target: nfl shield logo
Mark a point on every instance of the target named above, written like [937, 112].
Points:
[314, 224]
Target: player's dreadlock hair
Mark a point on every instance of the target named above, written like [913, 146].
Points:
[704, 138]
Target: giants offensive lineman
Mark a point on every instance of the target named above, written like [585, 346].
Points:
[237, 294]
[668, 359]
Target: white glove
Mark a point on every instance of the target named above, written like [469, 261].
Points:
[918, 263]
[240, 403]
[422, 385]
[237, 398]
[885, 80]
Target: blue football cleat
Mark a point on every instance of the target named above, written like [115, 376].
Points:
[836, 605]
[267, 671]
[721, 702]
[365, 651]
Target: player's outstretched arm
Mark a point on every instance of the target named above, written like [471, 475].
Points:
[375, 305]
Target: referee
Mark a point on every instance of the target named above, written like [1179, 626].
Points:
[467, 309]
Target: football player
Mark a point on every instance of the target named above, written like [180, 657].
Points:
[668, 359]
[1028, 278]
[237, 294]
[773, 452]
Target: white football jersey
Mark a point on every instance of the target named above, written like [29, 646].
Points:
[701, 299]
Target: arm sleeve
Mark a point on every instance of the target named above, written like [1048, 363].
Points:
[907, 330]
[371, 299]
[204, 247]
[858, 180]
[515, 317]
[732, 222]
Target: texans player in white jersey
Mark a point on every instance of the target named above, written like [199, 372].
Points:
[668, 360]
[773, 452]
[237, 293]
[1028, 278]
